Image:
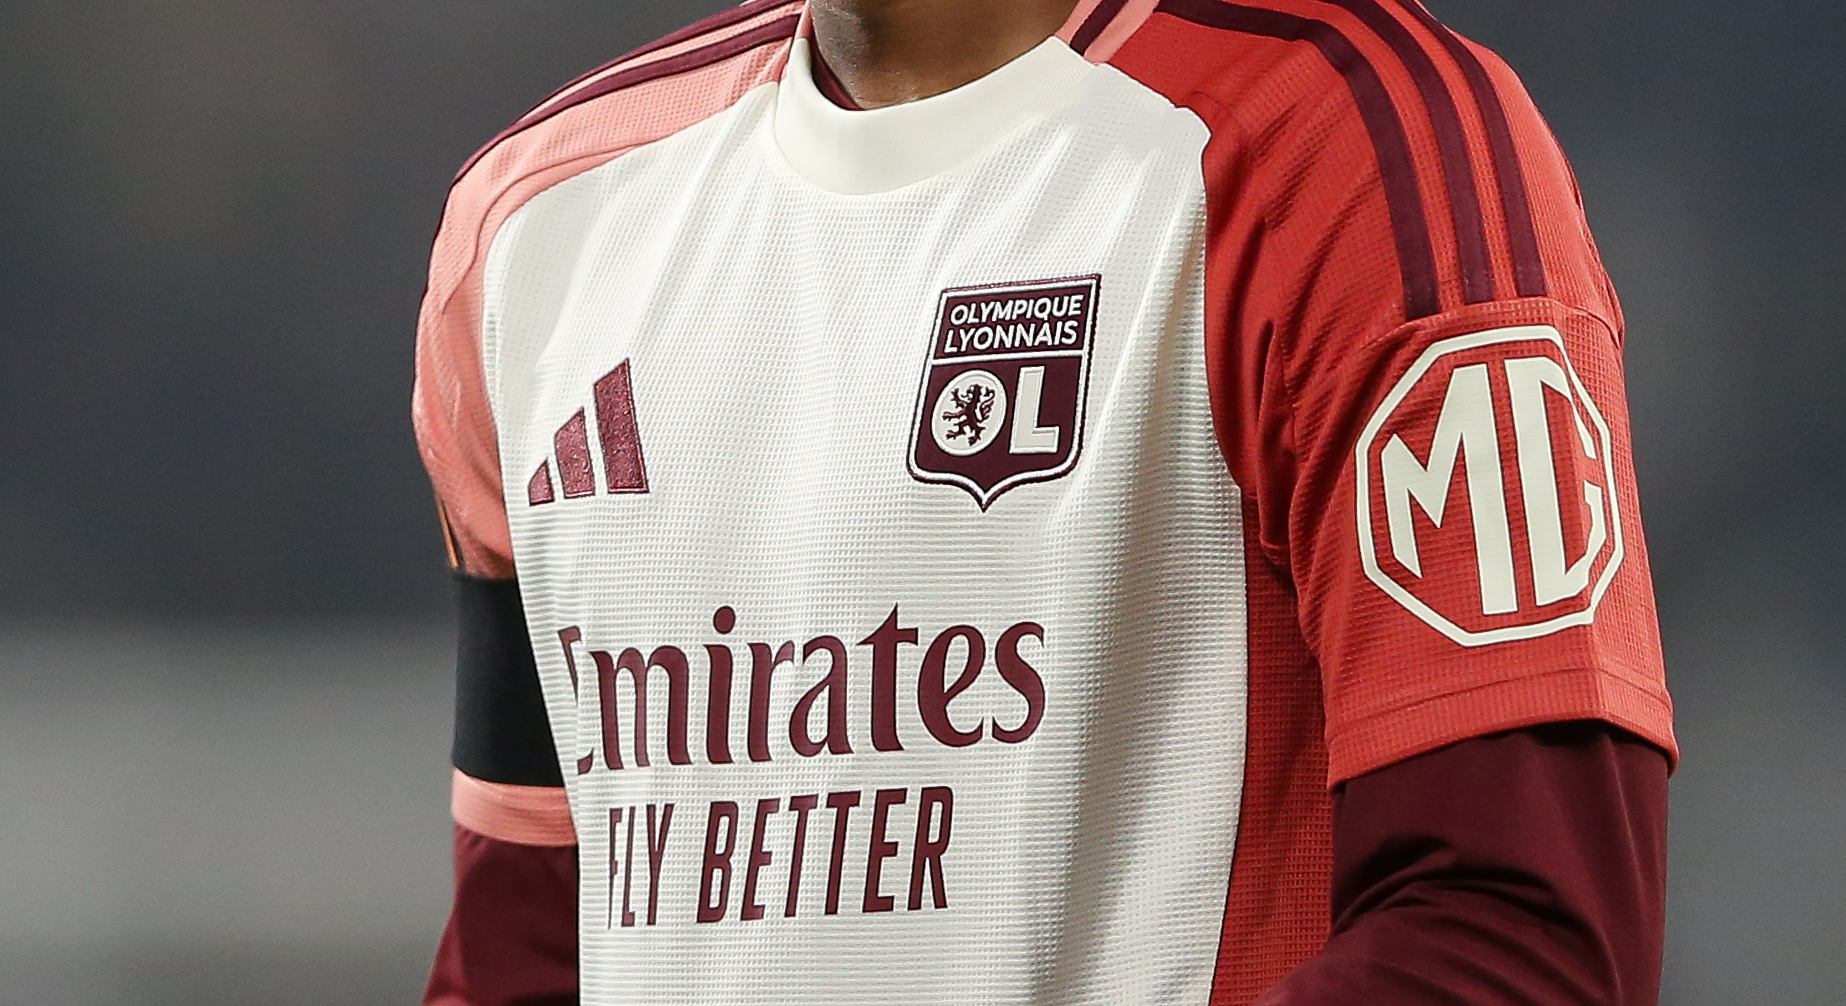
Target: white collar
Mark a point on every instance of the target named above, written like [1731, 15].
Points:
[880, 149]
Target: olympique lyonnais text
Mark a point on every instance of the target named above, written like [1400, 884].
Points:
[733, 882]
[1036, 320]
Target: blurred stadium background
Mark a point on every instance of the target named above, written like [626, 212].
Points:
[224, 632]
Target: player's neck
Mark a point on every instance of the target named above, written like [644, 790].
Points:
[889, 51]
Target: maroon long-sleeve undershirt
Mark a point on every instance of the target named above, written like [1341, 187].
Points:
[1521, 869]
[512, 934]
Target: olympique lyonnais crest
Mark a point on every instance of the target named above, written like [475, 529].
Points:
[1001, 402]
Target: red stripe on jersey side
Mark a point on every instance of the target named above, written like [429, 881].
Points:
[1528, 267]
[1451, 143]
[1397, 171]
[1093, 25]
[779, 30]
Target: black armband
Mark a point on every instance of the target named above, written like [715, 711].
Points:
[502, 733]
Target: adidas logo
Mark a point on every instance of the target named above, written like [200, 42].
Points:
[616, 432]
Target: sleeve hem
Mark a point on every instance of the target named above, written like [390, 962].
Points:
[522, 815]
[1374, 741]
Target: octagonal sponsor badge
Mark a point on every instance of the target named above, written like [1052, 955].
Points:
[1002, 396]
[1486, 493]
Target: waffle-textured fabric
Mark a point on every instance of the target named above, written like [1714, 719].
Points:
[962, 542]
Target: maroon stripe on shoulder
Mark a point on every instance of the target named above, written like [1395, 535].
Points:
[717, 22]
[721, 20]
[1477, 285]
[779, 30]
[1093, 25]
[1397, 171]
[1528, 266]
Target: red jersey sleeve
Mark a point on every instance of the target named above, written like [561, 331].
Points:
[1464, 533]
[1417, 375]
[1448, 481]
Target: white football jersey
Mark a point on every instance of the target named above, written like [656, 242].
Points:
[923, 515]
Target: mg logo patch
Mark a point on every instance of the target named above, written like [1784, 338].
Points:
[1001, 402]
[1486, 490]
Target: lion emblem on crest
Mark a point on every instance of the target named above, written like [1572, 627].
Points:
[969, 408]
[969, 412]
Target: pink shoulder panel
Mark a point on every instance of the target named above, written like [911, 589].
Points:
[647, 96]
